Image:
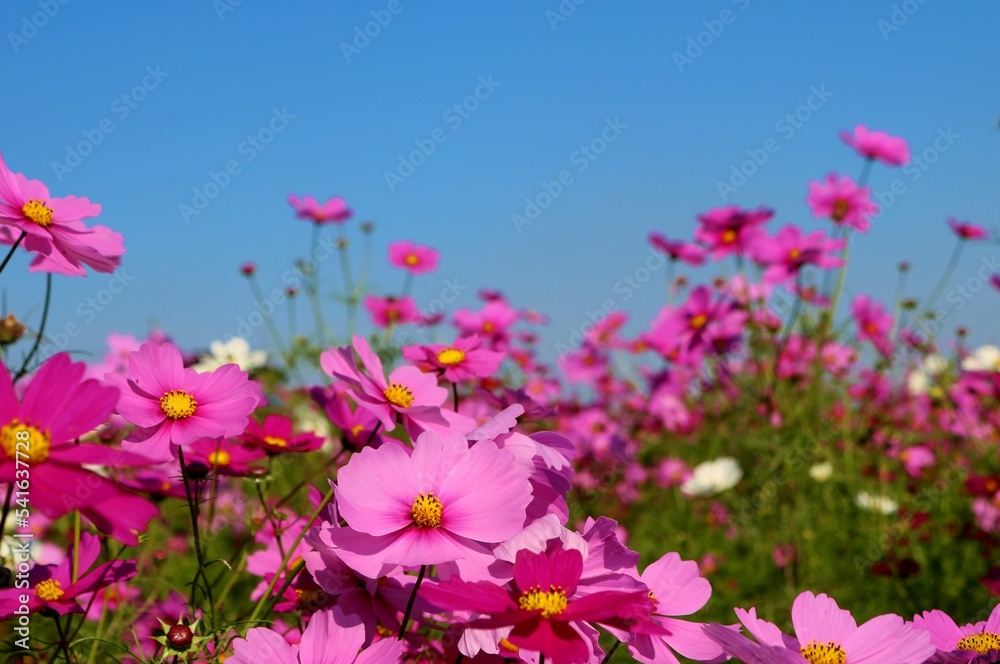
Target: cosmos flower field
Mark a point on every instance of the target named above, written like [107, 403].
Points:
[767, 471]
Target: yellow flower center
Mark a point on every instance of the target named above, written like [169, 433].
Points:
[698, 322]
[178, 404]
[49, 590]
[426, 511]
[794, 254]
[219, 458]
[274, 441]
[450, 356]
[357, 429]
[399, 395]
[729, 236]
[550, 603]
[309, 596]
[38, 212]
[411, 259]
[981, 643]
[32, 443]
[840, 210]
[824, 653]
[487, 326]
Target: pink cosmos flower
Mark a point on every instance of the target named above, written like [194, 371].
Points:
[356, 425]
[463, 359]
[542, 604]
[61, 242]
[825, 633]
[52, 586]
[409, 395]
[414, 258]
[688, 253]
[441, 502]
[697, 325]
[978, 642]
[967, 231]
[332, 637]
[56, 408]
[789, 251]
[730, 229]
[172, 407]
[388, 311]
[874, 323]
[335, 210]
[841, 200]
[274, 435]
[491, 322]
[224, 457]
[890, 150]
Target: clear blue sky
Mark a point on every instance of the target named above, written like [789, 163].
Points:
[222, 74]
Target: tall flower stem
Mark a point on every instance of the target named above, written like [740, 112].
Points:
[272, 327]
[321, 327]
[409, 604]
[611, 653]
[193, 509]
[12, 250]
[949, 270]
[41, 328]
[349, 290]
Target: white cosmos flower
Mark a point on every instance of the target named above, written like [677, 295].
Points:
[821, 472]
[924, 376]
[984, 358]
[235, 351]
[876, 503]
[712, 477]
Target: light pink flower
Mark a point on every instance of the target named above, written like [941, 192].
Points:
[414, 258]
[842, 201]
[335, 210]
[890, 150]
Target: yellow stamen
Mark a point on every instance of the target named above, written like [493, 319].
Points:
[399, 395]
[794, 254]
[178, 405]
[824, 653]
[699, 321]
[729, 236]
[357, 429]
[426, 511]
[49, 590]
[25, 442]
[274, 441]
[840, 210]
[550, 603]
[487, 326]
[450, 356]
[507, 646]
[411, 259]
[38, 212]
[219, 458]
[983, 642]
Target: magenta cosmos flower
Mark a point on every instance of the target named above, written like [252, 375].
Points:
[967, 231]
[439, 503]
[409, 394]
[52, 586]
[54, 231]
[891, 150]
[544, 607]
[789, 251]
[730, 229]
[173, 407]
[332, 637]
[387, 311]
[874, 323]
[686, 252]
[826, 634]
[492, 322]
[842, 201]
[335, 210]
[414, 258]
[57, 408]
[978, 642]
[463, 359]
[275, 436]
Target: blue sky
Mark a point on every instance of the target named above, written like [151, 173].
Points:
[184, 86]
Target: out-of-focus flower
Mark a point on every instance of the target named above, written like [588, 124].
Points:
[842, 201]
[335, 210]
[890, 150]
[712, 477]
[876, 503]
[967, 231]
[235, 351]
[412, 257]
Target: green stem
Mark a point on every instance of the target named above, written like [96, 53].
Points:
[321, 327]
[41, 328]
[949, 270]
[611, 653]
[272, 327]
[193, 510]
[12, 250]
[839, 288]
[409, 603]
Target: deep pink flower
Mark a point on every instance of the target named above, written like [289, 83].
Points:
[682, 333]
[173, 407]
[730, 229]
[439, 503]
[967, 231]
[491, 322]
[688, 253]
[335, 210]
[223, 456]
[56, 409]
[356, 425]
[414, 258]
[842, 201]
[976, 642]
[463, 359]
[789, 251]
[388, 311]
[543, 606]
[52, 586]
[890, 150]
[61, 242]
[874, 323]
[275, 436]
